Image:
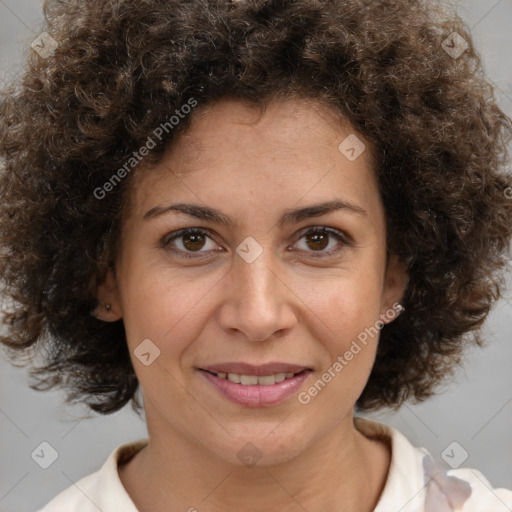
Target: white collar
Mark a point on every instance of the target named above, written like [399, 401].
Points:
[404, 489]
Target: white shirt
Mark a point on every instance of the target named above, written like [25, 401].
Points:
[414, 483]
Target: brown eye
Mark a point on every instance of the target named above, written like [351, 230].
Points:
[188, 241]
[193, 241]
[317, 240]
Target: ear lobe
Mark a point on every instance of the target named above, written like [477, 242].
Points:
[396, 280]
[109, 305]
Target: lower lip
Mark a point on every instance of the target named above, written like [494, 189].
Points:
[256, 395]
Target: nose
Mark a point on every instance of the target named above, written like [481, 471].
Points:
[258, 303]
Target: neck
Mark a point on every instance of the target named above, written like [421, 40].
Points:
[344, 467]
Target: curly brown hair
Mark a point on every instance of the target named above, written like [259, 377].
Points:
[122, 68]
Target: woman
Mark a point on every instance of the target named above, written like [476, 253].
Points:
[270, 214]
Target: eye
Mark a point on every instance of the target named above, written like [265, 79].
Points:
[185, 242]
[319, 238]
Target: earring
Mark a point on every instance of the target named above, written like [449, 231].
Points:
[108, 307]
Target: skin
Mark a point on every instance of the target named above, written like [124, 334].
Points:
[285, 306]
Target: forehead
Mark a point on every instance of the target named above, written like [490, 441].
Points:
[287, 152]
[282, 126]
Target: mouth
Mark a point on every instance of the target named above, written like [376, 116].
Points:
[256, 380]
[256, 386]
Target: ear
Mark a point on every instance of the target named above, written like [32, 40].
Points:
[109, 307]
[396, 280]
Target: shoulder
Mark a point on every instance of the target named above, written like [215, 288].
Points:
[463, 489]
[101, 490]
[416, 483]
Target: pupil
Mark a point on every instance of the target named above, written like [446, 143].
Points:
[197, 241]
[319, 238]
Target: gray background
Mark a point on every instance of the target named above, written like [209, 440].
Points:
[475, 410]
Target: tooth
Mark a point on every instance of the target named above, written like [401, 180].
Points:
[266, 380]
[248, 380]
[234, 377]
[252, 380]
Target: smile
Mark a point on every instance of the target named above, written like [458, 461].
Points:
[252, 386]
[255, 380]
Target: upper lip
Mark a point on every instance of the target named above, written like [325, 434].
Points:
[250, 369]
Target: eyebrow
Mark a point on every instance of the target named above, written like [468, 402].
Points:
[289, 216]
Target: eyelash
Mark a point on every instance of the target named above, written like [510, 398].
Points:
[340, 236]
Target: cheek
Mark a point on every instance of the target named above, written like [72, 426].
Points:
[351, 347]
[345, 304]
[163, 306]
[346, 310]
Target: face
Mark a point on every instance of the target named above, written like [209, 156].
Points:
[273, 271]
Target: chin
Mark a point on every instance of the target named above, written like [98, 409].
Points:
[267, 448]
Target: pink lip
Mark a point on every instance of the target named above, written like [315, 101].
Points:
[249, 369]
[256, 395]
